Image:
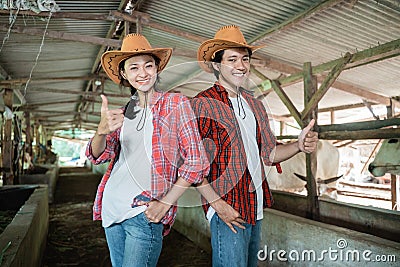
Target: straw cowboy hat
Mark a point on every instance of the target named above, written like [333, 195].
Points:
[132, 45]
[226, 37]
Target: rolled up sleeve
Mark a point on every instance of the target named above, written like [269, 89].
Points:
[109, 152]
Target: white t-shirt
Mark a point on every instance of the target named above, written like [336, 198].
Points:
[131, 174]
[249, 136]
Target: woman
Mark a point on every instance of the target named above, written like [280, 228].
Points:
[147, 143]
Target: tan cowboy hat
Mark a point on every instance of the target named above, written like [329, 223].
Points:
[226, 37]
[133, 44]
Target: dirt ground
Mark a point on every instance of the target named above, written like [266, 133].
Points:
[75, 240]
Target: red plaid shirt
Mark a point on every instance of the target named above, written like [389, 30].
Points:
[176, 145]
[223, 142]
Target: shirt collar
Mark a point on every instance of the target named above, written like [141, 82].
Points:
[155, 98]
[222, 89]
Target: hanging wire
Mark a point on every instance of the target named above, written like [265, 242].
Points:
[240, 100]
[38, 54]
[140, 124]
[12, 19]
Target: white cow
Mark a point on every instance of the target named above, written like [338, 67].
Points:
[327, 167]
[387, 160]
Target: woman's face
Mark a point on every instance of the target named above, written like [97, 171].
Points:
[141, 72]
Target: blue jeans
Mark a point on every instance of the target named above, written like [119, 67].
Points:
[234, 250]
[134, 242]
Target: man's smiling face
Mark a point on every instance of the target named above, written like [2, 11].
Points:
[234, 68]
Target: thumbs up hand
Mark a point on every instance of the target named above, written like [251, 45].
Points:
[308, 139]
[110, 120]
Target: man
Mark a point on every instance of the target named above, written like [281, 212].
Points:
[238, 139]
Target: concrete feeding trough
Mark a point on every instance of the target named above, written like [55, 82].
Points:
[43, 174]
[289, 239]
[23, 241]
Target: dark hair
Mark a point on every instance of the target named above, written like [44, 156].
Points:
[218, 58]
[125, 83]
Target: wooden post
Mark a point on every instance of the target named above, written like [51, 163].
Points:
[139, 25]
[393, 178]
[16, 156]
[127, 28]
[8, 178]
[394, 197]
[310, 87]
[332, 112]
[282, 127]
[38, 154]
[28, 133]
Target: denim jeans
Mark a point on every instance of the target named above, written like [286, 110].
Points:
[234, 250]
[134, 242]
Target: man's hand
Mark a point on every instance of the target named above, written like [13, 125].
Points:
[110, 119]
[308, 139]
[156, 210]
[228, 214]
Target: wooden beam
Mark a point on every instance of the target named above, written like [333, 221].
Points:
[111, 16]
[49, 113]
[286, 68]
[265, 90]
[332, 76]
[3, 73]
[123, 16]
[362, 93]
[37, 111]
[336, 108]
[358, 126]
[45, 122]
[136, 16]
[75, 92]
[159, 26]
[287, 102]
[33, 106]
[175, 31]
[384, 51]
[20, 81]
[63, 36]
[281, 94]
[274, 64]
[293, 21]
[363, 134]
[20, 97]
[353, 135]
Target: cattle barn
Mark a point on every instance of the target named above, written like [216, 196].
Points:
[335, 61]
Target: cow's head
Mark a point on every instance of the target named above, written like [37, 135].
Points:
[387, 160]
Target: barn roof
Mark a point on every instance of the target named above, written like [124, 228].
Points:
[51, 59]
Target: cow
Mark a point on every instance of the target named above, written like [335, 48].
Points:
[294, 171]
[387, 160]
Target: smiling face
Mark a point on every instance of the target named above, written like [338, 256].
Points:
[234, 68]
[141, 72]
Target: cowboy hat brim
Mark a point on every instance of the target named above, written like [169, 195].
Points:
[208, 48]
[110, 60]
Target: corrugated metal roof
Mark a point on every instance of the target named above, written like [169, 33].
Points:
[294, 32]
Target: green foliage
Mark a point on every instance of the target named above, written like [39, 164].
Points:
[65, 148]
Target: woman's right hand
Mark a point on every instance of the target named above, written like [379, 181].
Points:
[110, 120]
